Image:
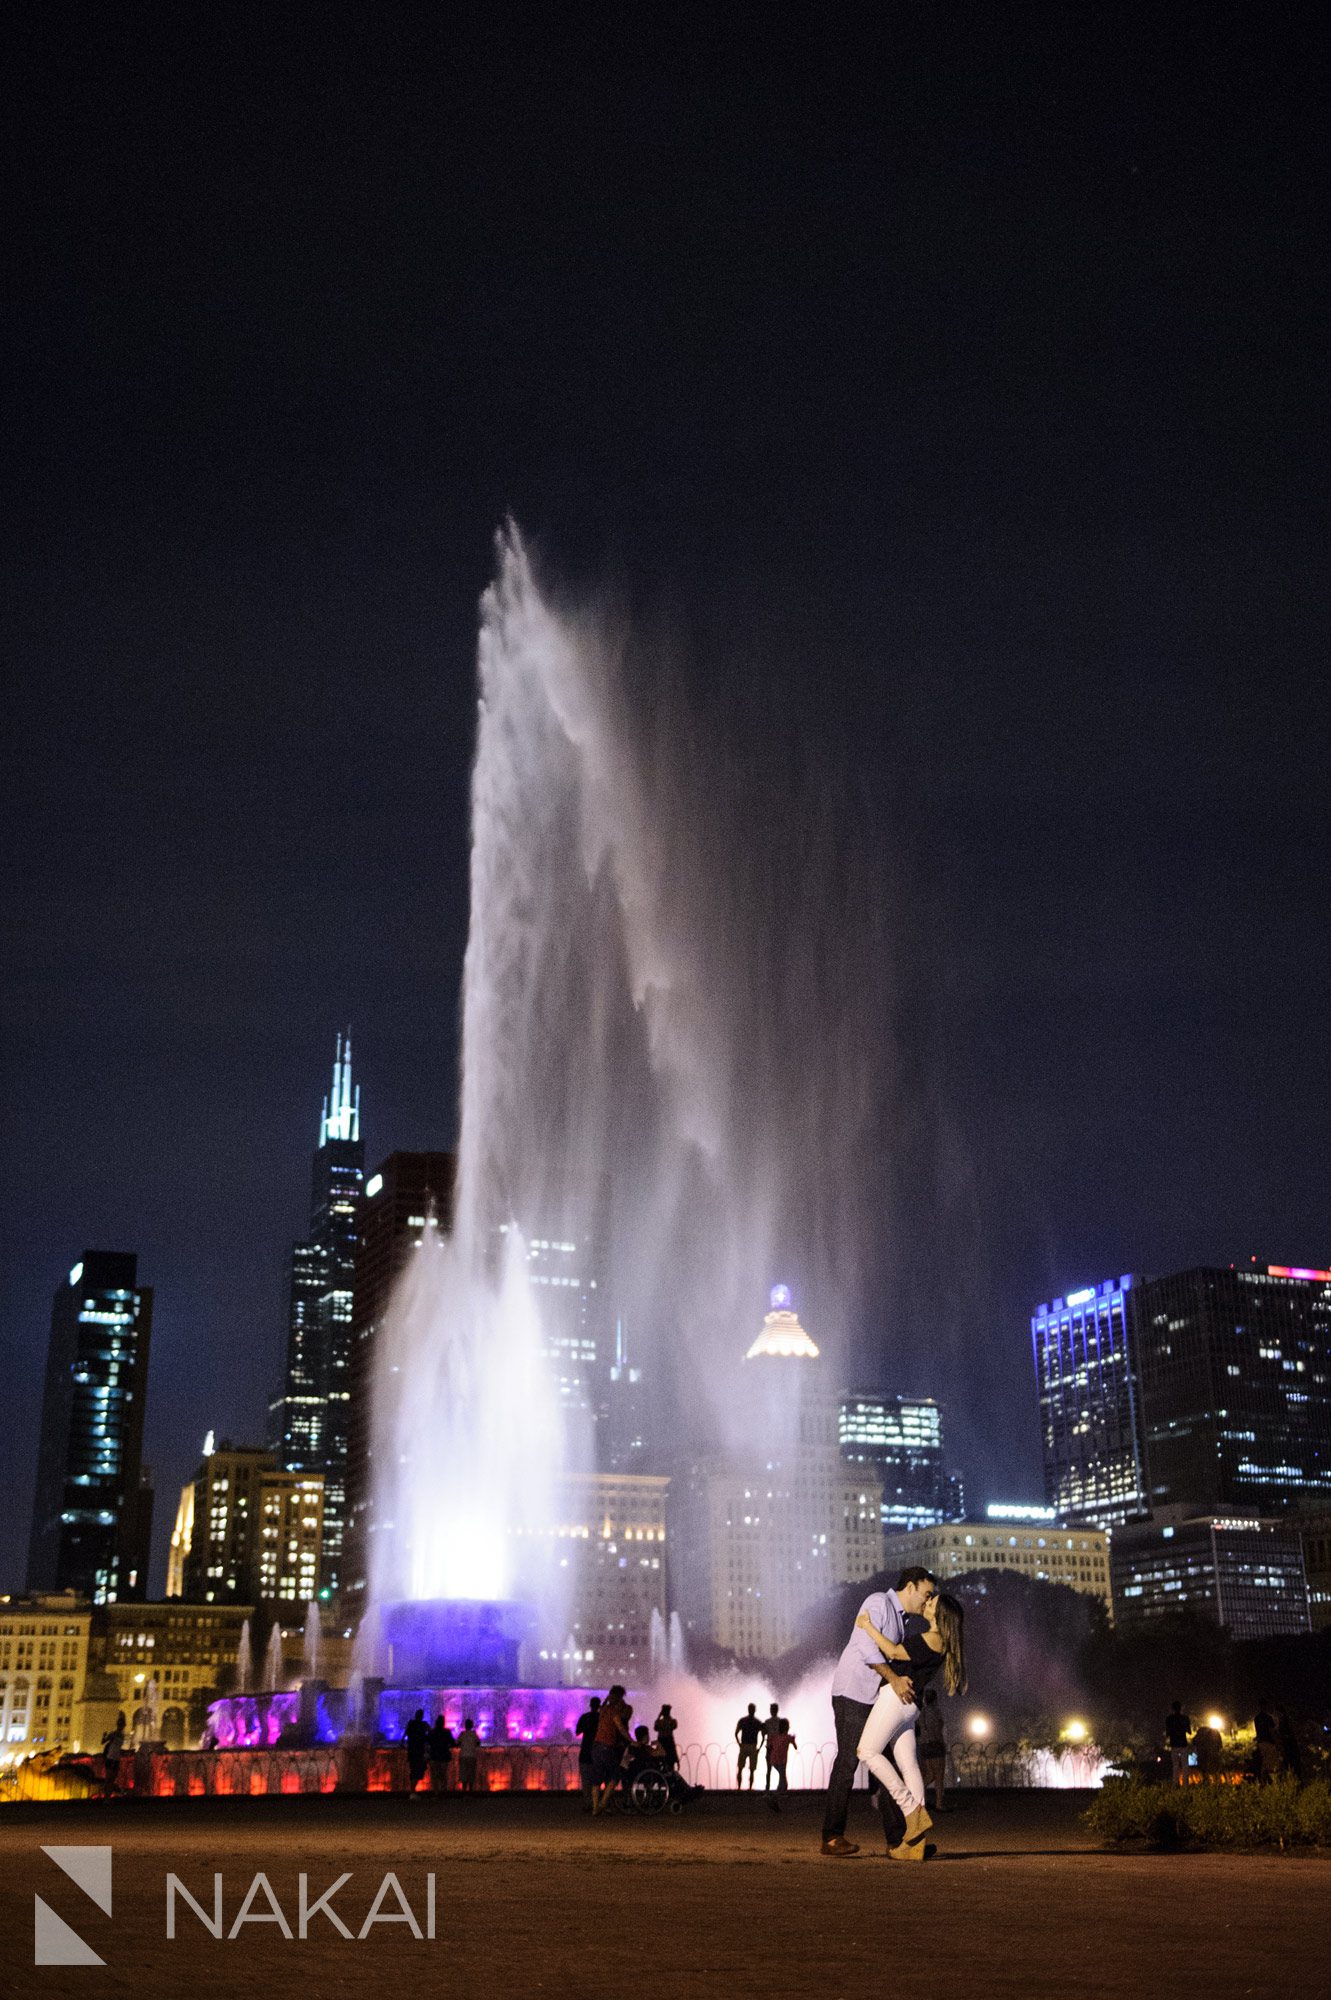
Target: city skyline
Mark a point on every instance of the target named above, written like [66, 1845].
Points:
[1033, 1478]
[953, 436]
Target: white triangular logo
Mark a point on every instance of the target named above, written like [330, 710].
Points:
[56, 1943]
[90, 1867]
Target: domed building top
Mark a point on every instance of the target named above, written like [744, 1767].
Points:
[782, 1337]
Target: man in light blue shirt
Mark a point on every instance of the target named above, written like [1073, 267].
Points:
[855, 1686]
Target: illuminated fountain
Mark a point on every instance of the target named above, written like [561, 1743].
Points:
[641, 1043]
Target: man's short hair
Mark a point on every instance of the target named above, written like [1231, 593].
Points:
[915, 1574]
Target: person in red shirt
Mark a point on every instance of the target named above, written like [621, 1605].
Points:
[780, 1743]
[612, 1739]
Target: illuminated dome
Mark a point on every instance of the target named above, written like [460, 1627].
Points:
[782, 1337]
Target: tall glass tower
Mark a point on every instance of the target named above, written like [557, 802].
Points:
[92, 1513]
[310, 1418]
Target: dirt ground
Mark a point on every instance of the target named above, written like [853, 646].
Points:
[728, 1900]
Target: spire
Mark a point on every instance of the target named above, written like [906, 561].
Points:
[341, 1108]
[782, 1336]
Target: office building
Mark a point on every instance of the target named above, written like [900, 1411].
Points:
[1316, 1533]
[565, 1276]
[624, 1441]
[1236, 1389]
[399, 1197]
[186, 1653]
[309, 1422]
[902, 1438]
[1239, 1571]
[1090, 1409]
[1206, 1388]
[247, 1531]
[766, 1532]
[92, 1512]
[43, 1669]
[611, 1541]
[1045, 1551]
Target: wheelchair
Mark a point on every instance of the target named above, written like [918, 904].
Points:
[652, 1790]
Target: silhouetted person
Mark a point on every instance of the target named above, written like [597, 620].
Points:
[441, 1754]
[1178, 1728]
[417, 1738]
[769, 1729]
[1267, 1749]
[780, 1743]
[640, 1756]
[469, 1750]
[1206, 1743]
[113, 1749]
[1289, 1746]
[666, 1725]
[748, 1734]
[612, 1740]
[933, 1748]
[585, 1730]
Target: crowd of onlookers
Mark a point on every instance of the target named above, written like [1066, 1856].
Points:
[1275, 1751]
[613, 1752]
[432, 1747]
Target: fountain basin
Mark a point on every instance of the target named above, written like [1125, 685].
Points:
[501, 1714]
[459, 1641]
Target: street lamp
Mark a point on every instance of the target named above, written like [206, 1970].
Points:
[978, 1725]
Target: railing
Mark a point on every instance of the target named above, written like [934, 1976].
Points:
[357, 1766]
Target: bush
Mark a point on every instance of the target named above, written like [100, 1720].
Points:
[1283, 1814]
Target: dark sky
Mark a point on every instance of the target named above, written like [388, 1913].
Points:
[962, 380]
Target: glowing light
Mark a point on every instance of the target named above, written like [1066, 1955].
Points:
[781, 1298]
[999, 1510]
[1075, 1731]
[1080, 1298]
[76, 1274]
[1216, 1722]
[978, 1725]
[373, 1185]
[1293, 1271]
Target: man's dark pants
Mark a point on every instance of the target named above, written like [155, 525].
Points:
[850, 1717]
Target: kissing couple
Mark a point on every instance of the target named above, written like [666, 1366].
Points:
[903, 1639]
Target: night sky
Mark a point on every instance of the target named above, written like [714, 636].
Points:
[953, 393]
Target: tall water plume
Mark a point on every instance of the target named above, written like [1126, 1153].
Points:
[672, 1003]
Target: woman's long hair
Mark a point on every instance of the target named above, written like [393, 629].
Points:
[950, 1618]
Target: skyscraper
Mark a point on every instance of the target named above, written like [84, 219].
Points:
[399, 1198]
[92, 1513]
[1236, 1388]
[247, 1532]
[1090, 1404]
[1207, 1389]
[309, 1420]
[759, 1535]
[902, 1438]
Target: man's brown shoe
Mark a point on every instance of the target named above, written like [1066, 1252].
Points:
[838, 1844]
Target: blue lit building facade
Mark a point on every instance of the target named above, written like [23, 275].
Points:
[901, 1437]
[1208, 1389]
[1090, 1404]
[309, 1421]
[92, 1512]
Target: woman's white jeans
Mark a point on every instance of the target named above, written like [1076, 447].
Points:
[891, 1725]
